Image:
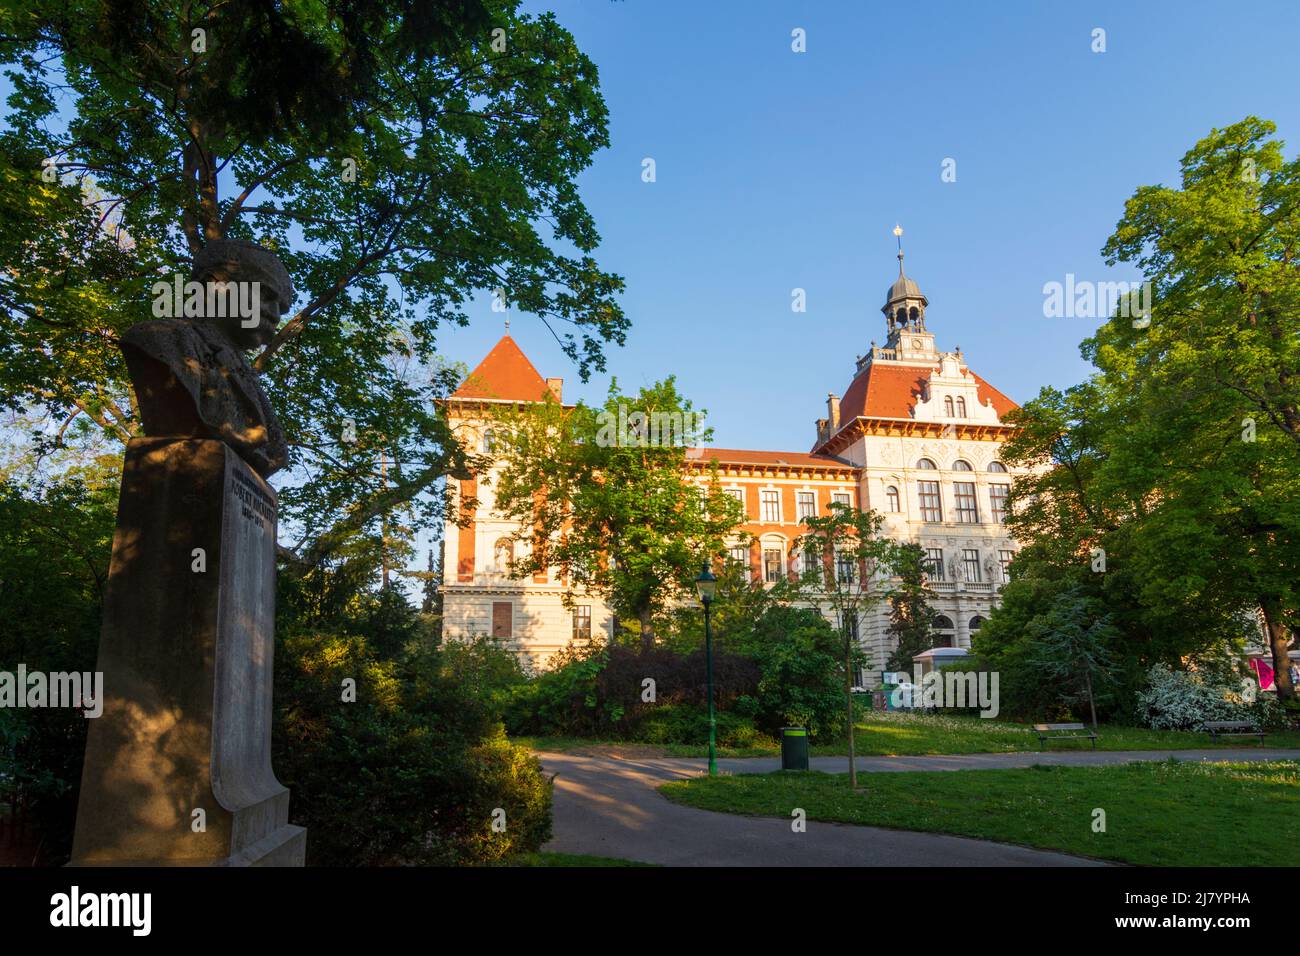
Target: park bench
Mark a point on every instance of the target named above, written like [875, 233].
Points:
[1049, 732]
[1232, 728]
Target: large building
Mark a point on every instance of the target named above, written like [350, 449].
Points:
[915, 435]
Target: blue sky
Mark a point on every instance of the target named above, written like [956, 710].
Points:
[778, 170]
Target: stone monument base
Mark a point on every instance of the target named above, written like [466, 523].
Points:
[178, 766]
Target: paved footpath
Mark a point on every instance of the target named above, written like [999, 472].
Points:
[608, 805]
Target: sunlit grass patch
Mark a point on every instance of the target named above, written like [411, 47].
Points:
[1160, 813]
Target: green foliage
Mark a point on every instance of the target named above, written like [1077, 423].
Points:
[737, 607]
[1071, 649]
[411, 772]
[799, 655]
[600, 693]
[394, 159]
[689, 724]
[563, 701]
[1180, 458]
[1186, 699]
[489, 672]
[910, 614]
[785, 670]
[617, 512]
[54, 550]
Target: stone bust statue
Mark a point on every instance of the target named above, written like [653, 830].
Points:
[190, 374]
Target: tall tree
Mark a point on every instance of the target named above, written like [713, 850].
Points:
[910, 614]
[399, 157]
[845, 559]
[1210, 391]
[1071, 649]
[1171, 476]
[603, 494]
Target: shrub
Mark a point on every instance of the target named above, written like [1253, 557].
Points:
[487, 670]
[798, 655]
[599, 693]
[411, 771]
[54, 552]
[1185, 700]
[689, 724]
[562, 701]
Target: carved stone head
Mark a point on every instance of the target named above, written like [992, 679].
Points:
[241, 263]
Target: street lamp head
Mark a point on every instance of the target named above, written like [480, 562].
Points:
[706, 584]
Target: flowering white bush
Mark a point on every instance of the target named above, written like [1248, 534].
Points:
[1185, 700]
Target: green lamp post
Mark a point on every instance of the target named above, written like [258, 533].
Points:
[705, 585]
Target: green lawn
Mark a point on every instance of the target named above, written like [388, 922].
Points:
[905, 734]
[1170, 813]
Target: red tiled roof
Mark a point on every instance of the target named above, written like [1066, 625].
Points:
[505, 375]
[891, 391]
[747, 457]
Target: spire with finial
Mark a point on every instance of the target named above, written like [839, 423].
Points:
[898, 234]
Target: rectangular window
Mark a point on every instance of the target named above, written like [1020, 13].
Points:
[967, 509]
[771, 564]
[582, 623]
[998, 501]
[970, 559]
[934, 563]
[1004, 563]
[807, 504]
[771, 506]
[502, 620]
[842, 498]
[931, 503]
[740, 554]
[739, 495]
[846, 571]
[812, 561]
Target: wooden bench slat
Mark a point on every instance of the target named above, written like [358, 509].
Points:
[1048, 732]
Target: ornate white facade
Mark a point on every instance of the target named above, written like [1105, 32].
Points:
[916, 436]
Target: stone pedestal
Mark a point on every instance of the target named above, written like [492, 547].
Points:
[186, 653]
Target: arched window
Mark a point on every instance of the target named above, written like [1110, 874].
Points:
[925, 464]
[901, 316]
[947, 405]
[943, 631]
[998, 467]
[915, 315]
[961, 407]
[891, 498]
[488, 442]
[976, 623]
[960, 465]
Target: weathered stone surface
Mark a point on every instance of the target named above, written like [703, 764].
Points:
[190, 375]
[187, 663]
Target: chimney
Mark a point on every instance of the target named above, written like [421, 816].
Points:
[821, 431]
[833, 411]
[556, 385]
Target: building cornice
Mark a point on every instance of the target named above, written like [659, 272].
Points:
[746, 469]
[910, 428]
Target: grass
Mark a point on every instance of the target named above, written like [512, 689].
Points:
[898, 733]
[568, 859]
[1169, 813]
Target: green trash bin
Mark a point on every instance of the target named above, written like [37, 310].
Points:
[794, 748]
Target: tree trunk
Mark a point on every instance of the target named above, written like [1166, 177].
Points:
[1277, 642]
[1092, 705]
[647, 632]
[848, 699]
